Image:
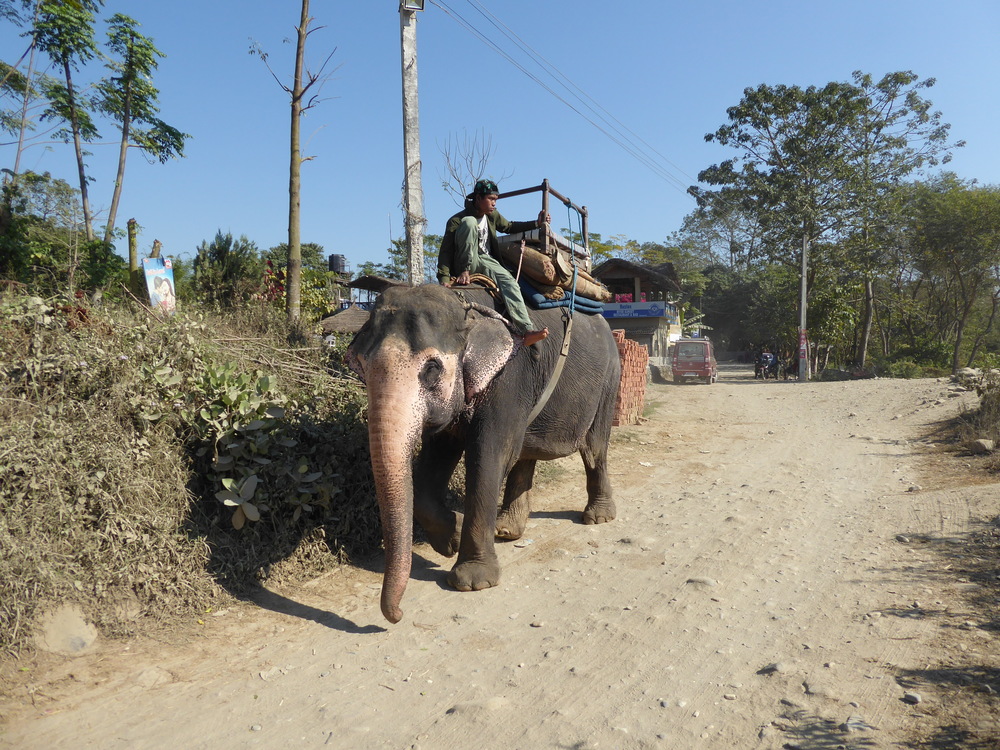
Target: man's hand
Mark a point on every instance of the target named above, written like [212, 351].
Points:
[463, 279]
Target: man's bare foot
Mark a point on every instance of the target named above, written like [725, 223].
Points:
[533, 337]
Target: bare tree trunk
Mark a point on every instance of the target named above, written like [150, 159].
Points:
[995, 302]
[133, 259]
[26, 99]
[88, 221]
[866, 324]
[120, 176]
[804, 358]
[293, 288]
[962, 319]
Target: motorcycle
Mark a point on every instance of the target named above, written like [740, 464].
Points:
[766, 366]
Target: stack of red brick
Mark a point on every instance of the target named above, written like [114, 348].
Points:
[632, 389]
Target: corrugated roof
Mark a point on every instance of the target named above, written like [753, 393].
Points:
[663, 274]
[345, 321]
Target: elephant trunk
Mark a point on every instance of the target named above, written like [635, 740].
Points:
[395, 420]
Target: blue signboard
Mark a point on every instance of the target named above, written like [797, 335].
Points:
[639, 310]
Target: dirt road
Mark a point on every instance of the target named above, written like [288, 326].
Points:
[777, 577]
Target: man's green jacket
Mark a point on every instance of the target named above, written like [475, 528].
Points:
[495, 223]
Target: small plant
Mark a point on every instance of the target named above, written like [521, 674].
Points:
[903, 369]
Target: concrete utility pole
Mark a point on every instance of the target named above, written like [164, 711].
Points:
[413, 195]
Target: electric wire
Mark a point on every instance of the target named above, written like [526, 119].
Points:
[582, 95]
[619, 139]
[622, 139]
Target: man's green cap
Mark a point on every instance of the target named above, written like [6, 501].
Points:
[486, 187]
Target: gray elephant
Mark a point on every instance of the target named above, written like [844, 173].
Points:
[445, 373]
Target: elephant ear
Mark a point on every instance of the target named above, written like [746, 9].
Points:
[351, 355]
[489, 346]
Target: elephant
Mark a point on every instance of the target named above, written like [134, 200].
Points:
[446, 374]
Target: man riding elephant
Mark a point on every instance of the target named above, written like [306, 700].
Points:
[470, 246]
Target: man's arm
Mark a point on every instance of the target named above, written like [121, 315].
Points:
[510, 227]
[446, 253]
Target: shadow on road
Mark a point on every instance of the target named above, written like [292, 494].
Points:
[274, 602]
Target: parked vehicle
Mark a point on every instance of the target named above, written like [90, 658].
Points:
[694, 359]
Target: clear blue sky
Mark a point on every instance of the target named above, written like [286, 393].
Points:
[666, 72]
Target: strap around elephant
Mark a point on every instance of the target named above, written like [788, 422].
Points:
[560, 363]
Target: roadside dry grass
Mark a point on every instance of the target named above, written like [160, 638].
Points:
[109, 462]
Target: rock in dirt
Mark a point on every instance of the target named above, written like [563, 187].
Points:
[154, 677]
[772, 668]
[980, 447]
[65, 631]
[855, 723]
[702, 581]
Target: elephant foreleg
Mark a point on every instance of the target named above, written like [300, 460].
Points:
[432, 471]
[478, 566]
[516, 506]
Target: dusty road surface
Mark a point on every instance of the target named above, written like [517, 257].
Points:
[777, 577]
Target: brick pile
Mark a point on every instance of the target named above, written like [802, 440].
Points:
[632, 388]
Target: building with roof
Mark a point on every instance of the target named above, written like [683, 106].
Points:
[643, 303]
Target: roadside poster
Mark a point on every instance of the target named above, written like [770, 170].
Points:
[160, 284]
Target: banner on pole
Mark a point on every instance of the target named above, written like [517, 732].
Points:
[160, 284]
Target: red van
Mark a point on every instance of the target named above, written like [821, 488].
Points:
[694, 359]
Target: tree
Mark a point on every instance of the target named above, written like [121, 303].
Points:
[790, 174]
[65, 32]
[313, 256]
[41, 235]
[301, 102]
[466, 161]
[895, 133]
[227, 271]
[956, 236]
[817, 167]
[17, 12]
[398, 265]
[17, 84]
[129, 97]
[723, 229]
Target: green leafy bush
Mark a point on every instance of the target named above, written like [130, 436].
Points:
[903, 368]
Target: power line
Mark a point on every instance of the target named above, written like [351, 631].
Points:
[612, 128]
[583, 95]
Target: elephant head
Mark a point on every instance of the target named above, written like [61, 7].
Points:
[424, 355]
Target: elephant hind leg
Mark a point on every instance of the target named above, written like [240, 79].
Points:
[516, 507]
[600, 504]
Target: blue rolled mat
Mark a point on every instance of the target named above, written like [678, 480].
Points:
[538, 301]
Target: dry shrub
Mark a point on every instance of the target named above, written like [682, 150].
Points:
[107, 488]
[94, 514]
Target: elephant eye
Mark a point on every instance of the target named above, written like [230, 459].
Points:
[430, 374]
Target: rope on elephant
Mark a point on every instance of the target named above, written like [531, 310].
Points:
[572, 253]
